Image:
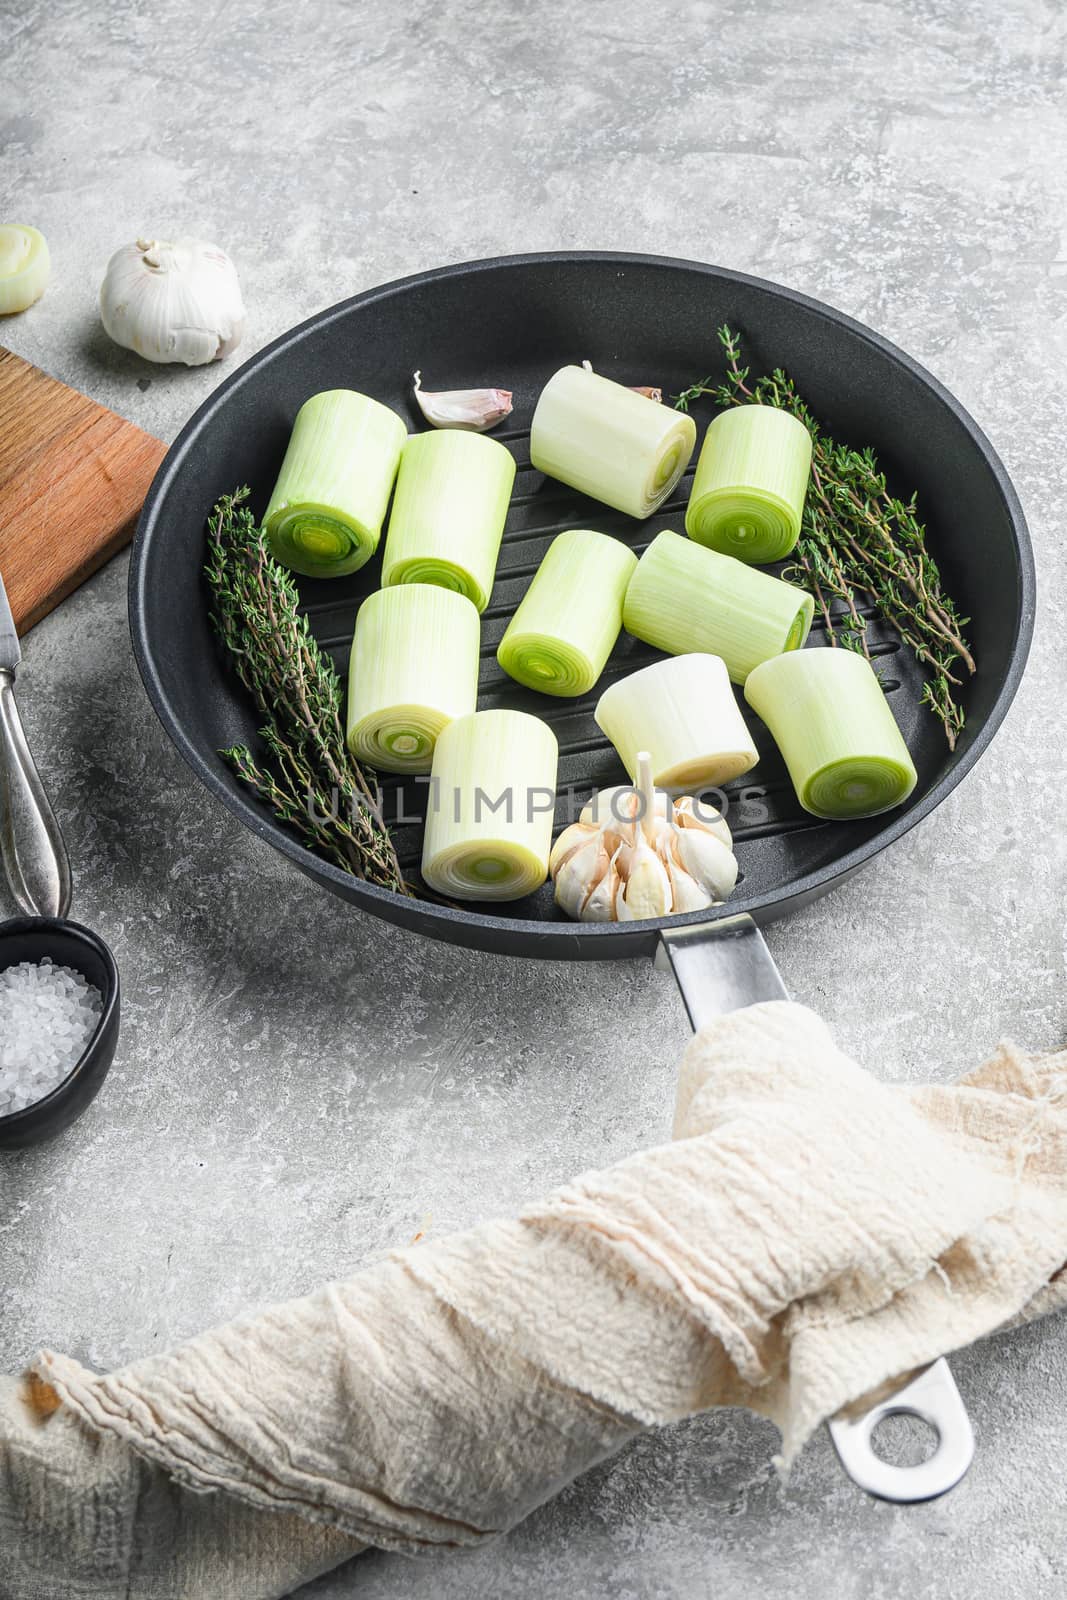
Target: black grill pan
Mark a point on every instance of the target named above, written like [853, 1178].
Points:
[640, 319]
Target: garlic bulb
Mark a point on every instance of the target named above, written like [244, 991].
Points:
[173, 302]
[633, 854]
[474, 410]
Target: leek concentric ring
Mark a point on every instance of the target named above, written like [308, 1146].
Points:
[317, 542]
[398, 739]
[485, 869]
[667, 469]
[857, 786]
[551, 666]
[800, 626]
[753, 526]
[442, 574]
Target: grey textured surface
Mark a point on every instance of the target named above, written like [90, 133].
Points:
[299, 1088]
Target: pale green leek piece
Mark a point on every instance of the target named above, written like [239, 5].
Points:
[748, 492]
[326, 513]
[603, 439]
[683, 712]
[568, 620]
[448, 514]
[685, 598]
[837, 734]
[491, 802]
[24, 266]
[413, 670]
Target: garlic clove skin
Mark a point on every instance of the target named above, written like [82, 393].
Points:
[602, 904]
[646, 890]
[174, 301]
[690, 813]
[688, 894]
[578, 876]
[570, 840]
[707, 860]
[473, 410]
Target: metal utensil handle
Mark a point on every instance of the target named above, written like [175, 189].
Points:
[31, 845]
[724, 966]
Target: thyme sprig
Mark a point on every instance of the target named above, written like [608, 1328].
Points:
[862, 550]
[311, 783]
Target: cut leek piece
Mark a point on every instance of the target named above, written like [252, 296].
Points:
[837, 734]
[326, 513]
[448, 515]
[412, 671]
[492, 797]
[24, 266]
[683, 712]
[748, 492]
[609, 442]
[685, 598]
[568, 620]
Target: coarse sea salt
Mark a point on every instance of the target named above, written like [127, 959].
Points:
[48, 1014]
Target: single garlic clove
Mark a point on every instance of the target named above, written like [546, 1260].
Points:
[708, 860]
[579, 875]
[646, 888]
[690, 813]
[570, 840]
[474, 410]
[662, 836]
[688, 894]
[602, 904]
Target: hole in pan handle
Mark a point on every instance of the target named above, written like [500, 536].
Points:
[723, 966]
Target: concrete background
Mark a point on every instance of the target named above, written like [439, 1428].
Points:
[299, 1088]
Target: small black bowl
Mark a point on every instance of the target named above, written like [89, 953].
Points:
[69, 945]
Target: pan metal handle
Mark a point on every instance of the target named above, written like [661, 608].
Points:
[932, 1396]
[724, 966]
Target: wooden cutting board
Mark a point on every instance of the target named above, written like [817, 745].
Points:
[72, 479]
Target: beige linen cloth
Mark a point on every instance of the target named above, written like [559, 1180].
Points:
[809, 1234]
